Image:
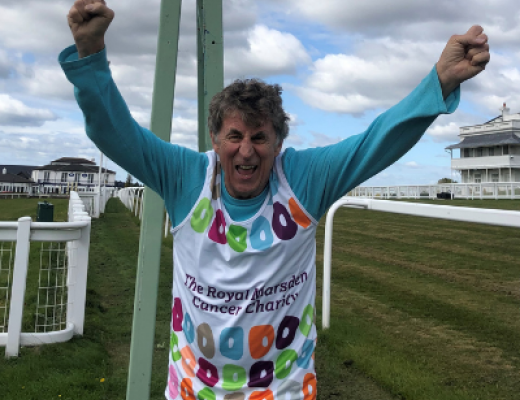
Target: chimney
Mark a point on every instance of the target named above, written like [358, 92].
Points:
[505, 110]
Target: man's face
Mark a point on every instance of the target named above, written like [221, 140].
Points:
[247, 155]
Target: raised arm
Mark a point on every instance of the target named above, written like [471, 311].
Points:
[175, 172]
[320, 176]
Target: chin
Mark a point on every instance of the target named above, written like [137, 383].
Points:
[245, 194]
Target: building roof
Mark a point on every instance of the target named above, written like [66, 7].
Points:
[74, 160]
[13, 178]
[22, 170]
[487, 140]
[73, 168]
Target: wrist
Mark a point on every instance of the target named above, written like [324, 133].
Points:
[447, 85]
[86, 49]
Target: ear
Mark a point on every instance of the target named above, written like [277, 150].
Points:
[214, 142]
[278, 148]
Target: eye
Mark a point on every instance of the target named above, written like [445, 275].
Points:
[234, 137]
[260, 139]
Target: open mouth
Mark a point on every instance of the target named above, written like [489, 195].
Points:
[246, 169]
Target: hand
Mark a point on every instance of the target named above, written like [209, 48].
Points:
[88, 22]
[463, 57]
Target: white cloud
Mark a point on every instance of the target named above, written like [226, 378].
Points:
[15, 113]
[269, 52]
[412, 164]
[34, 26]
[444, 133]
[380, 73]
[47, 81]
[411, 19]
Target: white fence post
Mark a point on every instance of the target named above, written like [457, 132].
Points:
[81, 248]
[327, 259]
[18, 289]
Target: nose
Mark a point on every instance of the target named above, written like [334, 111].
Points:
[246, 148]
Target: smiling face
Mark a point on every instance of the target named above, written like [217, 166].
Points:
[247, 155]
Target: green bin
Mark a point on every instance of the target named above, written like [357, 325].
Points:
[45, 212]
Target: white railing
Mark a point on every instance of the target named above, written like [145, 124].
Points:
[132, 198]
[481, 191]
[95, 202]
[62, 281]
[465, 214]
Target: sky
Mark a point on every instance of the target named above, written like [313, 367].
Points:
[340, 63]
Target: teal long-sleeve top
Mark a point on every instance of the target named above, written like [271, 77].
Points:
[317, 176]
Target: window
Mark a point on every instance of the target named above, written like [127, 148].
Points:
[478, 152]
[90, 178]
[466, 153]
[46, 176]
[494, 177]
[76, 177]
[478, 178]
[505, 150]
[64, 177]
[491, 151]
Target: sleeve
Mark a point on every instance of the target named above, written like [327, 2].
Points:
[320, 176]
[174, 172]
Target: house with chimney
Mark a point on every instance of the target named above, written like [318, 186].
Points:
[15, 180]
[489, 152]
[58, 177]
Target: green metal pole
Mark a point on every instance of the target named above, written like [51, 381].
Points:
[143, 327]
[210, 50]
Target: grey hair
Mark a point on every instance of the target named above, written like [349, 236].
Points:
[256, 102]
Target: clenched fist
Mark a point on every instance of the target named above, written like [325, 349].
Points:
[88, 22]
[463, 57]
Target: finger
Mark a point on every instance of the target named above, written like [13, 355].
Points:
[74, 16]
[100, 9]
[474, 36]
[479, 40]
[475, 30]
[79, 5]
[481, 59]
[473, 51]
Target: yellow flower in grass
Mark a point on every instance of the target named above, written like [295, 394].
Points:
[102, 380]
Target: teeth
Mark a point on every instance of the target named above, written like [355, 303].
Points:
[246, 166]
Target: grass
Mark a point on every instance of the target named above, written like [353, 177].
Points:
[427, 308]
[422, 309]
[11, 210]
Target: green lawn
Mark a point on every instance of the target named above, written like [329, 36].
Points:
[427, 308]
[422, 309]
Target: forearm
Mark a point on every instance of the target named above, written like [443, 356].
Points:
[108, 121]
[321, 176]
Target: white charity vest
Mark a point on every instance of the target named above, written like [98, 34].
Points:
[243, 315]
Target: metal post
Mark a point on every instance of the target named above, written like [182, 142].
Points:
[143, 327]
[210, 45]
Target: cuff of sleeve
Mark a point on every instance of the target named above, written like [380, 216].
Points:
[69, 60]
[452, 101]
[450, 104]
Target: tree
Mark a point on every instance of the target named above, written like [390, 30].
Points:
[129, 181]
[447, 180]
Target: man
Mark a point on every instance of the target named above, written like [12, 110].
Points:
[244, 215]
